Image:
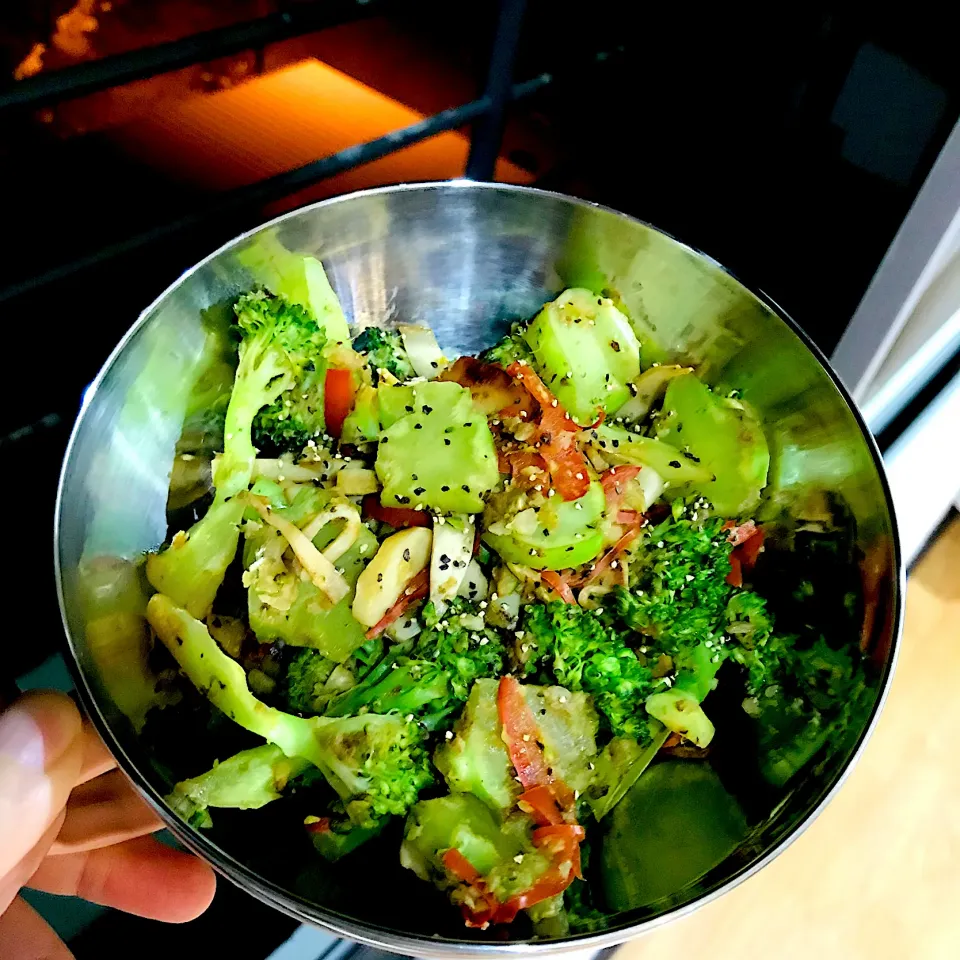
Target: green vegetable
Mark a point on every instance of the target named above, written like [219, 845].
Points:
[493, 848]
[283, 606]
[305, 689]
[277, 351]
[724, 437]
[559, 535]
[299, 279]
[584, 653]
[617, 769]
[246, 781]
[678, 593]
[363, 422]
[476, 759]
[395, 400]
[397, 685]
[620, 446]
[510, 348]
[344, 837]
[377, 764]
[587, 352]
[461, 468]
[681, 712]
[384, 350]
[463, 653]
[296, 415]
[675, 824]
[312, 682]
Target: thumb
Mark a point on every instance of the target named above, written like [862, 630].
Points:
[41, 750]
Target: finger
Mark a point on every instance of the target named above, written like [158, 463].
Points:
[25, 935]
[40, 756]
[102, 812]
[140, 876]
[97, 759]
[13, 880]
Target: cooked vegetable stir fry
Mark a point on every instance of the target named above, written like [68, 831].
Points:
[519, 606]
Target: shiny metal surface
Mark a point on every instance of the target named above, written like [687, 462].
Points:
[465, 258]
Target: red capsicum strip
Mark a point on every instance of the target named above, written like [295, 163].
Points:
[396, 516]
[521, 735]
[558, 585]
[415, 590]
[557, 441]
[747, 540]
[541, 804]
[338, 396]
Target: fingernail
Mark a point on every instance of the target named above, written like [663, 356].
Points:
[36, 730]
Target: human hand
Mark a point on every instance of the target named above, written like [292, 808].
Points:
[72, 824]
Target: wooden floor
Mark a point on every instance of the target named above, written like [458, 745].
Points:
[877, 876]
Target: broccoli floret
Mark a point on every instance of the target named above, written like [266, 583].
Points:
[305, 682]
[246, 781]
[461, 645]
[279, 348]
[757, 648]
[432, 679]
[400, 685]
[584, 653]
[384, 350]
[283, 333]
[679, 591]
[511, 348]
[376, 764]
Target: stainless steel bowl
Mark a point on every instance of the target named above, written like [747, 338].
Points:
[465, 258]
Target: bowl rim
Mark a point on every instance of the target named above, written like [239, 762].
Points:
[386, 938]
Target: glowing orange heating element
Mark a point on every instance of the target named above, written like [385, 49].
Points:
[286, 119]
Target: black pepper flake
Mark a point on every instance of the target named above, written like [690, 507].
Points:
[408, 409]
[444, 489]
[434, 364]
[470, 424]
[616, 443]
[401, 499]
[444, 558]
[615, 346]
[546, 533]
[406, 555]
[674, 463]
[427, 409]
[446, 441]
[465, 488]
[418, 490]
[379, 578]
[568, 549]
[418, 426]
[444, 567]
[179, 642]
[599, 301]
[690, 456]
